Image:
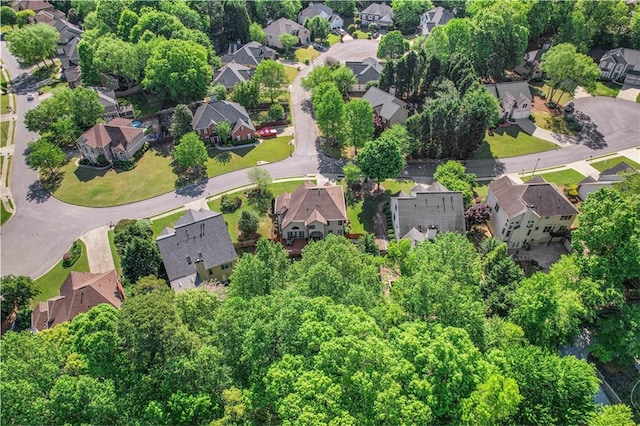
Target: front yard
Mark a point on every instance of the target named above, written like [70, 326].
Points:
[511, 142]
[606, 88]
[306, 53]
[603, 165]
[154, 175]
[333, 39]
[291, 72]
[4, 133]
[50, 283]
[560, 178]
[556, 123]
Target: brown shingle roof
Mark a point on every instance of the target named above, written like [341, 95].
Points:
[118, 131]
[80, 292]
[310, 202]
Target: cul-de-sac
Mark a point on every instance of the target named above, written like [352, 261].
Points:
[340, 212]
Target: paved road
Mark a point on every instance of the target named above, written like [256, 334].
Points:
[43, 228]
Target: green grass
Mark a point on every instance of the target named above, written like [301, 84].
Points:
[306, 53]
[638, 98]
[270, 150]
[606, 88]
[154, 176]
[603, 165]
[50, 283]
[5, 215]
[157, 225]
[114, 251]
[4, 104]
[553, 122]
[360, 34]
[141, 106]
[4, 133]
[481, 191]
[560, 178]
[291, 72]
[333, 39]
[511, 142]
[566, 97]
[8, 166]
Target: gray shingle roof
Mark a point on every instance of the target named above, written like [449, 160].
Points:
[544, 198]
[283, 26]
[367, 70]
[199, 234]
[214, 112]
[383, 103]
[315, 9]
[515, 89]
[618, 168]
[435, 17]
[250, 54]
[624, 56]
[232, 74]
[385, 12]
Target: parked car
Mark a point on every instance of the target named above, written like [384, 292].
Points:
[569, 108]
[267, 133]
[29, 96]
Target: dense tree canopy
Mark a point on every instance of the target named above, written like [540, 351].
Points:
[270, 75]
[380, 159]
[566, 69]
[33, 43]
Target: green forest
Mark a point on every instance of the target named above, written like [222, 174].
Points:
[444, 333]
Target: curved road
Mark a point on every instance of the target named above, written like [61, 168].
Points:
[43, 228]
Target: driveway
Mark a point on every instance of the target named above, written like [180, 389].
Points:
[629, 93]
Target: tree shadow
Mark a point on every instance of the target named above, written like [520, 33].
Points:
[307, 106]
[23, 84]
[222, 157]
[590, 136]
[40, 190]
[190, 182]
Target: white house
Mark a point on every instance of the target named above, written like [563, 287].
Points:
[618, 63]
[515, 99]
[432, 18]
[528, 213]
[377, 13]
[427, 211]
[324, 11]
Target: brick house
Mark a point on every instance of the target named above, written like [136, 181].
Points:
[208, 115]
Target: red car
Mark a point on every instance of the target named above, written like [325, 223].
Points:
[267, 133]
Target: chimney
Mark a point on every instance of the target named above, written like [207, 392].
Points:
[202, 271]
[392, 90]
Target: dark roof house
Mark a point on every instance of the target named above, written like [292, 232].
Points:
[378, 13]
[322, 10]
[249, 54]
[35, 5]
[282, 26]
[432, 18]
[208, 115]
[621, 63]
[232, 74]
[80, 292]
[366, 70]
[197, 249]
[391, 109]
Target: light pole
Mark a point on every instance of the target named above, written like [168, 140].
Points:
[534, 169]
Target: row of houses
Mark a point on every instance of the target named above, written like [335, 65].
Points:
[198, 248]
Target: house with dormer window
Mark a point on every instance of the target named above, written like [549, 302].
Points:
[377, 13]
[283, 26]
[207, 116]
[515, 99]
[117, 140]
[621, 64]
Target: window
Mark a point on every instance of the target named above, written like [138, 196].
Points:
[508, 234]
[497, 208]
[528, 232]
[340, 223]
[567, 217]
[189, 260]
[312, 227]
[563, 229]
[548, 228]
[225, 266]
[537, 227]
[339, 231]
[524, 105]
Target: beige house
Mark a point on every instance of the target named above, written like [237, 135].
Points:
[283, 26]
[116, 140]
[427, 211]
[390, 109]
[197, 250]
[310, 211]
[532, 212]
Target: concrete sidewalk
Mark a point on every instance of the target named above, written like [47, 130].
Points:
[98, 250]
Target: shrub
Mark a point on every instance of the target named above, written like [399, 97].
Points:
[124, 165]
[276, 112]
[391, 27]
[532, 117]
[573, 126]
[248, 223]
[351, 29]
[263, 117]
[72, 255]
[102, 160]
[85, 162]
[138, 155]
[230, 203]
[355, 36]
[307, 62]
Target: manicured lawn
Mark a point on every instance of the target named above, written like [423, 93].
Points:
[606, 88]
[101, 188]
[270, 150]
[511, 142]
[306, 53]
[51, 282]
[164, 222]
[5, 215]
[266, 227]
[291, 73]
[560, 178]
[481, 191]
[333, 39]
[4, 104]
[154, 176]
[360, 34]
[566, 97]
[553, 122]
[114, 251]
[394, 186]
[4, 133]
[603, 165]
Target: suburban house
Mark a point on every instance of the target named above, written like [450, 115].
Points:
[530, 65]
[369, 69]
[605, 179]
[432, 18]
[310, 212]
[282, 26]
[532, 212]
[250, 54]
[35, 5]
[232, 74]
[621, 63]
[324, 11]
[112, 108]
[376, 13]
[46, 17]
[386, 106]
[70, 61]
[117, 140]
[514, 97]
[198, 249]
[208, 115]
[427, 211]
[80, 292]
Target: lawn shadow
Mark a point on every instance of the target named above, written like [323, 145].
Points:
[85, 174]
[161, 149]
[40, 190]
[590, 136]
[372, 215]
[194, 190]
[483, 152]
[190, 182]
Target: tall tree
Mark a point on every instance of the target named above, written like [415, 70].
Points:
[400, 136]
[179, 70]
[33, 43]
[16, 293]
[391, 45]
[247, 94]
[191, 152]
[236, 21]
[83, 399]
[616, 336]
[45, 156]
[256, 33]
[343, 78]
[120, 59]
[329, 111]
[343, 7]
[453, 175]
[567, 69]
[271, 76]
[358, 120]
[380, 160]
[618, 414]
[288, 42]
[8, 15]
[318, 26]
[180, 122]
[140, 257]
[109, 12]
[128, 19]
[406, 14]
[86, 107]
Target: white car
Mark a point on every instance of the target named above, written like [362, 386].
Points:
[29, 96]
